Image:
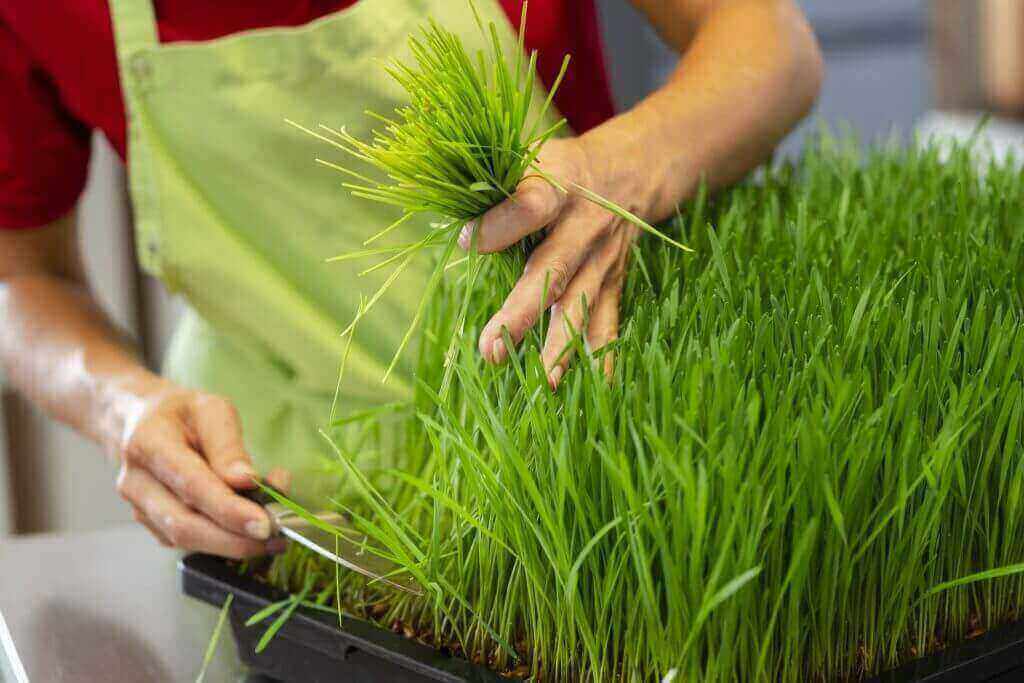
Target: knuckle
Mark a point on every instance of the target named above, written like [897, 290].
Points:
[537, 202]
[601, 223]
[134, 452]
[523, 321]
[148, 440]
[215, 417]
[558, 274]
[215, 403]
[179, 532]
[526, 320]
[190, 488]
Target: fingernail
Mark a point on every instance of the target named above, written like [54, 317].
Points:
[498, 351]
[466, 236]
[242, 470]
[276, 546]
[555, 376]
[258, 529]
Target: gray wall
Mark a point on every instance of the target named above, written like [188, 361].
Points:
[59, 480]
[877, 75]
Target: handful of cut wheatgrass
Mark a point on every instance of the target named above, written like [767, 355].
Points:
[460, 147]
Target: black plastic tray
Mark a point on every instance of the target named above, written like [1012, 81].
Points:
[311, 647]
[994, 657]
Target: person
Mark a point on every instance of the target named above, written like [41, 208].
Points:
[231, 213]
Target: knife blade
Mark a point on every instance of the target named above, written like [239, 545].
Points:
[347, 548]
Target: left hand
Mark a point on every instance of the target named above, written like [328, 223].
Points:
[581, 260]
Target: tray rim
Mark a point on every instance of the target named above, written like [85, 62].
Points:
[211, 579]
[993, 653]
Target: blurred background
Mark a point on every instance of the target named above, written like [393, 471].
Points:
[893, 66]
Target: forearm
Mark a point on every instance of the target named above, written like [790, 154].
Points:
[751, 71]
[181, 452]
[60, 350]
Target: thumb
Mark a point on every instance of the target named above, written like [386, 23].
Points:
[534, 205]
[218, 431]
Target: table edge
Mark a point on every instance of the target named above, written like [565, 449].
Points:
[11, 653]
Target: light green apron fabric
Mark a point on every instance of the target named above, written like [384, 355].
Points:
[232, 213]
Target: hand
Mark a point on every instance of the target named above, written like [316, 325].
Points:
[581, 261]
[182, 459]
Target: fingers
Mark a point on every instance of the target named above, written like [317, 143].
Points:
[550, 269]
[165, 453]
[171, 521]
[142, 519]
[280, 479]
[604, 319]
[570, 314]
[534, 205]
[218, 431]
[591, 303]
[179, 465]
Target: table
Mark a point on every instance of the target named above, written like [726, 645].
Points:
[103, 606]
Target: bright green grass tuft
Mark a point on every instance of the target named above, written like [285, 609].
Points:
[813, 422]
[472, 130]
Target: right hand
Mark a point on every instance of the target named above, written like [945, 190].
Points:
[182, 461]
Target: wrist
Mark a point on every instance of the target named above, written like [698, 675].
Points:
[122, 400]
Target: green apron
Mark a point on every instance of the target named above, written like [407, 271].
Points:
[232, 213]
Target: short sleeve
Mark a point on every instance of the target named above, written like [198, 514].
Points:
[44, 151]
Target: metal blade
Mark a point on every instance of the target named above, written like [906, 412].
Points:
[345, 552]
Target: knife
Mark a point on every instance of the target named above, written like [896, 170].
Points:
[347, 548]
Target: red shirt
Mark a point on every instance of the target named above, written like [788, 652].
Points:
[59, 80]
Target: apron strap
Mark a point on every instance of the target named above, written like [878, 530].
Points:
[134, 32]
[135, 36]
